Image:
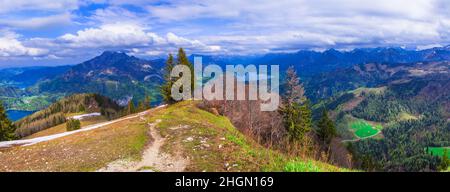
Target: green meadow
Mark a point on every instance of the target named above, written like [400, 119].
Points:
[439, 151]
[363, 129]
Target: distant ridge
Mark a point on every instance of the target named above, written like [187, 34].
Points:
[114, 74]
[310, 62]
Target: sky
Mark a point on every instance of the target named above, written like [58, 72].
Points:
[49, 32]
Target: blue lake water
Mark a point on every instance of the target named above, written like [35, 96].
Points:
[15, 115]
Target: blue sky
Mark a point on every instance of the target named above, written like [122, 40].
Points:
[48, 32]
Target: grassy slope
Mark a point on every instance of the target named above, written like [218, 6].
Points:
[359, 128]
[353, 124]
[84, 151]
[210, 142]
[439, 151]
[363, 129]
[346, 126]
[374, 90]
[62, 127]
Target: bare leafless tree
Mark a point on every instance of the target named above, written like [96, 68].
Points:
[295, 93]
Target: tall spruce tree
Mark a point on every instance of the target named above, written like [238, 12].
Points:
[183, 60]
[141, 106]
[166, 88]
[131, 108]
[147, 102]
[326, 128]
[445, 162]
[7, 128]
[295, 109]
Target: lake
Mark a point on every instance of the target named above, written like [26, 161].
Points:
[15, 115]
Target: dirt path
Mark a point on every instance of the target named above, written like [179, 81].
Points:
[26, 142]
[153, 159]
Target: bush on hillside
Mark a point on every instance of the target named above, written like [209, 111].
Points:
[73, 124]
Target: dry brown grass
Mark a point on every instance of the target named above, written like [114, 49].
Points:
[84, 151]
[208, 141]
[61, 128]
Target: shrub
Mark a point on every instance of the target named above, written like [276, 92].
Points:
[73, 124]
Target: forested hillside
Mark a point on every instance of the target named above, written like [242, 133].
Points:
[416, 115]
[324, 85]
[57, 112]
[391, 125]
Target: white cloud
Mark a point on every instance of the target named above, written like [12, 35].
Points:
[109, 35]
[36, 14]
[129, 36]
[268, 25]
[89, 42]
[287, 9]
[10, 46]
[38, 22]
[230, 27]
[114, 14]
[189, 44]
[40, 5]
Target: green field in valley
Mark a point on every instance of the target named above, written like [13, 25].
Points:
[363, 129]
[439, 151]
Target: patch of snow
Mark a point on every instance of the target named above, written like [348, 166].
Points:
[27, 142]
[124, 101]
[150, 76]
[146, 66]
[81, 117]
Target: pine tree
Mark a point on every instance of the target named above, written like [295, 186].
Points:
[131, 108]
[295, 110]
[291, 117]
[183, 60]
[326, 128]
[81, 108]
[306, 116]
[444, 161]
[147, 102]
[166, 88]
[7, 128]
[141, 106]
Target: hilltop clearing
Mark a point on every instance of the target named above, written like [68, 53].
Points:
[180, 137]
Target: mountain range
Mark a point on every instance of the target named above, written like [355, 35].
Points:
[115, 74]
[389, 105]
[27, 76]
[312, 62]
[124, 77]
